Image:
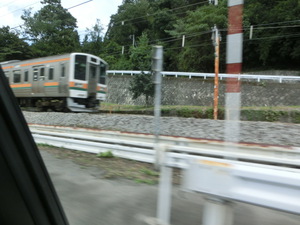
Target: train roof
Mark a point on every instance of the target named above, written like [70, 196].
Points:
[10, 61]
[41, 59]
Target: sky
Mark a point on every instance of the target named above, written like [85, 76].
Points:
[86, 14]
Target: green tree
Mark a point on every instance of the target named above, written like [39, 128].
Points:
[140, 55]
[275, 42]
[140, 58]
[51, 30]
[93, 40]
[142, 85]
[198, 52]
[112, 54]
[11, 46]
[130, 21]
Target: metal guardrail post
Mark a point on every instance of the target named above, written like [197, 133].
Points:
[164, 202]
[217, 211]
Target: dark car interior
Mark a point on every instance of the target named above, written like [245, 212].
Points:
[27, 195]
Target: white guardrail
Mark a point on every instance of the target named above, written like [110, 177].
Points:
[267, 176]
[221, 76]
[140, 146]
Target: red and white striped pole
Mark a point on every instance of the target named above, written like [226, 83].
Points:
[234, 60]
[217, 211]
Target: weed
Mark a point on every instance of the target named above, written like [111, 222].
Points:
[44, 145]
[145, 181]
[150, 172]
[272, 116]
[296, 117]
[107, 154]
[257, 113]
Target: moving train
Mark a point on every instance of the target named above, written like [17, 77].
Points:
[69, 82]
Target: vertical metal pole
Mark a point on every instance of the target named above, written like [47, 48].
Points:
[164, 196]
[165, 181]
[157, 62]
[234, 66]
[183, 41]
[217, 211]
[216, 85]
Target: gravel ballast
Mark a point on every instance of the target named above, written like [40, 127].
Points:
[272, 133]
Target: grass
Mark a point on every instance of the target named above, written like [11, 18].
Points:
[150, 172]
[145, 181]
[111, 167]
[249, 113]
[107, 154]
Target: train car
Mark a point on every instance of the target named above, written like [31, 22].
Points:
[69, 82]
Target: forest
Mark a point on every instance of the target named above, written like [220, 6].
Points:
[271, 34]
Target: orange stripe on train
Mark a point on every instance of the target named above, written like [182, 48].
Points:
[7, 67]
[51, 84]
[44, 62]
[37, 63]
[20, 85]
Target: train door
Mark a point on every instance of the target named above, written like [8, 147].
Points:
[92, 80]
[38, 80]
[62, 79]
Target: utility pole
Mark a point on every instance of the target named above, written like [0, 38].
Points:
[234, 59]
[216, 43]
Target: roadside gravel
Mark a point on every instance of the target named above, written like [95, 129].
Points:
[273, 133]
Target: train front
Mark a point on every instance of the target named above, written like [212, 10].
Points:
[87, 82]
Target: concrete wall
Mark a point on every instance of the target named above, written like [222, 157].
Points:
[199, 91]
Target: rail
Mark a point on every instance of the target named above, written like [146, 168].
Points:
[190, 75]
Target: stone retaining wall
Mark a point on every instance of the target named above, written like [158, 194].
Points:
[199, 91]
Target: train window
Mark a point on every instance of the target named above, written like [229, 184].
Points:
[102, 73]
[63, 70]
[17, 76]
[80, 67]
[51, 73]
[94, 60]
[42, 74]
[26, 75]
[35, 74]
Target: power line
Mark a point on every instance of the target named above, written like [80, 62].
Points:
[79, 4]
[8, 4]
[198, 3]
[281, 22]
[275, 37]
[296, 35]
[19, 9]
[37, 2]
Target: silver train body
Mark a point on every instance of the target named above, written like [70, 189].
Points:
[70, 82]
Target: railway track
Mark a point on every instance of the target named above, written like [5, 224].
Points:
[137, 146]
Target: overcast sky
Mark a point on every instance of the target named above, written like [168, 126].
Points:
[86, 14]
